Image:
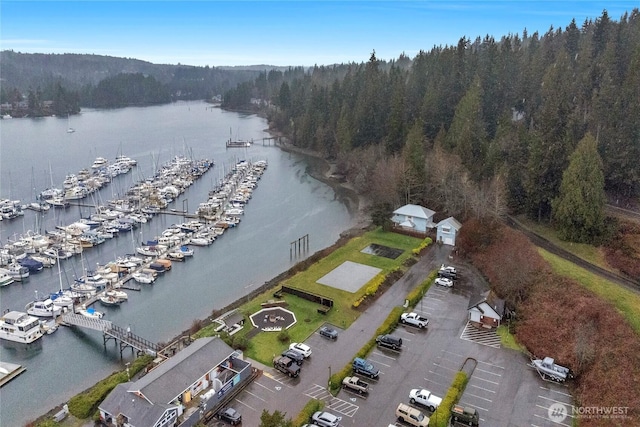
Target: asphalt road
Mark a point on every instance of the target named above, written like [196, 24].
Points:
[504, 390]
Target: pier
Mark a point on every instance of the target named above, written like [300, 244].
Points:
[124, 337]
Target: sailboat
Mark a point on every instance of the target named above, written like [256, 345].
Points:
[69, 128]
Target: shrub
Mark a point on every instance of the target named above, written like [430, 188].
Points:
[440, 417]
[284, 337]
[309, 409]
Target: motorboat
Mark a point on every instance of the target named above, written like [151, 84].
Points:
[93, 279]
[549, 370]
[147, 250]
[110, 301]
[62, 299]
[186, 251]
[48, 326]
[32, 265]
[142, 277]
[17, 272]
[20, 327]
[43, 308]
[5, 278]
[117, 293]
[90, 312]
[175, 256]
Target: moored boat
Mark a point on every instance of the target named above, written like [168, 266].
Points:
[5, 278]
[43, 308]
[142, 277]
[90, 312]
[20, 327]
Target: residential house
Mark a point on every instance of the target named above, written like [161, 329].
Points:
[413, 218]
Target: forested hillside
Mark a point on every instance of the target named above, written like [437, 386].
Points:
[480, 127]
[82, 79]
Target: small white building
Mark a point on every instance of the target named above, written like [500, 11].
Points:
[486, 311]
[447, 230]
[413, 218]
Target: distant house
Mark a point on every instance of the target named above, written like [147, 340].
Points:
[413, 218]
[158, 399]
[447, 230]
[486, 310]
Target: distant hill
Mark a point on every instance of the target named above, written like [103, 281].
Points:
[26, 71]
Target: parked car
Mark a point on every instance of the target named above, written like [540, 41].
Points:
[328, 332]
[389, 341]
[448, 272]
[231, 416]
[294, 355]
[410, 415]
[414, 319]
[362, 366]
[301, 348]
[443, 281]
[326, 419]
[463, 415]
[286, 366]
[424, 398]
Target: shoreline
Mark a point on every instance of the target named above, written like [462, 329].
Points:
[320, 169]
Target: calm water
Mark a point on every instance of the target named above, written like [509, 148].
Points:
[286, 205]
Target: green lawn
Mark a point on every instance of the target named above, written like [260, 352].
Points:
[264, 345]
[587, 252]
[624, 300]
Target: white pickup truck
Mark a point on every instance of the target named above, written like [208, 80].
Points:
[424, 398]
[414, 319]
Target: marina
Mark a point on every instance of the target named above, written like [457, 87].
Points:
[286, 204]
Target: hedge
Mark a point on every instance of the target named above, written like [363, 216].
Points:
[440, 417]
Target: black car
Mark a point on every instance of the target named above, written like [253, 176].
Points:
[294, 355]
[328, 332]
[231, 416]
[389, 341]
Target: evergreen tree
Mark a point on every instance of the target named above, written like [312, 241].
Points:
[579, 209]
[277, 419]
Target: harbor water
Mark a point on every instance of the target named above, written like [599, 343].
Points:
[287, 204]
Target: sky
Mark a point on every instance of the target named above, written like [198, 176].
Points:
[282, 33]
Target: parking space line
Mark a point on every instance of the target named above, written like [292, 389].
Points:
[464, 402]
[553, 400]
[485, 380]
[488, 372]
[455, 354]
[264, 386]
[384, 355]
[254, 395]
[380, 363]
[444, 367]
[556, 391]
[482, 388]
[242, 403]
[435, 382]
[555, 422]
[442, 375]
[491, 364]
[478, 397]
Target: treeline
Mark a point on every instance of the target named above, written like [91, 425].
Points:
[484, 125]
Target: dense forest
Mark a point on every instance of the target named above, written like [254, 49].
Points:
[44, 84]
[539, 124]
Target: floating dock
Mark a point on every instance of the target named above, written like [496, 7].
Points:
[9, 371]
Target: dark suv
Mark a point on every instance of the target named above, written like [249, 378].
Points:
[389, 341]
[294, 355]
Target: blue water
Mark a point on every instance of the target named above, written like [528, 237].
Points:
[286, 205]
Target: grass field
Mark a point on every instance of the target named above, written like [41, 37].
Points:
[588, 253]
[264, 345]
[624, 300]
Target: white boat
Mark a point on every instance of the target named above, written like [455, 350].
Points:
[110, 300]
[90, 312]
[5, 278]
[117, 293]
[147, 250]
[43, 308]
[200, 241]
[141, 277]
[99, 162]
[186, 250]
[175, 256]
[19, 327]
[48, 326]
[17, 272]
[69, 128]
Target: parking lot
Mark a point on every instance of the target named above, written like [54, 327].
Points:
[504, 390]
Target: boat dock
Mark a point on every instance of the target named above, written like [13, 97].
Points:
[9, 371]
[124, 337]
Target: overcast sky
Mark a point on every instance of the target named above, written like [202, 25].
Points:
[215, 33]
